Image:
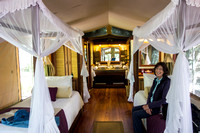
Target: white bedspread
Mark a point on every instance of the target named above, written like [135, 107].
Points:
[71, 107]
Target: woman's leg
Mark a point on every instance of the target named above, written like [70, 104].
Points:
[137, 114]
[137, 108]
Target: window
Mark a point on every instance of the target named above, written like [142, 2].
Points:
[193, 56]
[26, 73]
[110, 54]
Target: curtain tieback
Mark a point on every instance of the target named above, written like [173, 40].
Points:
[181, 51]
[38, 57]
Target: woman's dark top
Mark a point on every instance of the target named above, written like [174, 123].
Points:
[159, 97]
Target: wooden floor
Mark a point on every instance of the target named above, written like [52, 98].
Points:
[106, 105]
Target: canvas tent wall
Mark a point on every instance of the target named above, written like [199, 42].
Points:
[9, 79]
[29, 25]
[174, 30]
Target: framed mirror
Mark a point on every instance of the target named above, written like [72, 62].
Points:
[110, 54]
[149, 56]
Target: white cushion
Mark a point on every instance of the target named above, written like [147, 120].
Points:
[139, 98]
[63, 83]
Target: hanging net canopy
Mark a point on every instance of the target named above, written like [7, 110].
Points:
[29, 25]
[174, 30]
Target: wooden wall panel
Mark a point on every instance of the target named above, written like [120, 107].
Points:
[74, 64]
[60, 63]
[68, 61]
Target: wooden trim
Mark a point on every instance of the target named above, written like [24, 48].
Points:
[53, 60]
[194, 96]
[89, 65]
[80, 78]
[65, 60]
[18, 74]
[174, 57]
[76, 121]
[34, 63]
[136, 67]
[69, 61]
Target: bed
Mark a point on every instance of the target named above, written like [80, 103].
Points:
[70, 106]
[67, 108]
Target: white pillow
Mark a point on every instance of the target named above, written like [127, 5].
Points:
[148, 81]
[63, 83]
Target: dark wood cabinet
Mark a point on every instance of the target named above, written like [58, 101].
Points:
[110, 78]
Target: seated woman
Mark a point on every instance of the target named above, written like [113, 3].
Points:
[156, 98]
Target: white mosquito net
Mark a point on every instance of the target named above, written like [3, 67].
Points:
[174, 30]
[29, 25]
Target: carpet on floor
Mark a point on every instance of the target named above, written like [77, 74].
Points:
[108, 127]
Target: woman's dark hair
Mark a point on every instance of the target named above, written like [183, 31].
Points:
[164, 66]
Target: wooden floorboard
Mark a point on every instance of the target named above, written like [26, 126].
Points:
[109, 104]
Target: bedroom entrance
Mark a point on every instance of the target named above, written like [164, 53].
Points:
[107, 56]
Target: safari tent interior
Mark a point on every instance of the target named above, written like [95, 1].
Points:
[69, 65]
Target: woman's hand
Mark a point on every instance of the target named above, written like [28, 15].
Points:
[148, 111]
[145, 107]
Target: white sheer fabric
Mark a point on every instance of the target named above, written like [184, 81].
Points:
[29, 25]
[147, 60]
[193, 2]
[84, 71]
[189, 2]
[178, 30]
[85, 74]
[137, 44]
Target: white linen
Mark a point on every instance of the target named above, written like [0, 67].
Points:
[71, 107]
[148, 79]
[139, 98]
[8, 114]
[9, 129]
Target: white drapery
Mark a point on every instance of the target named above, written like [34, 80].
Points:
[137, 45]
[174, 30]
[84, 71]
[146, 52]
[29, 25]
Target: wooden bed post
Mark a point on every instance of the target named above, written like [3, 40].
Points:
[89, 65]
[80, 78]
[136, 84]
